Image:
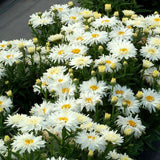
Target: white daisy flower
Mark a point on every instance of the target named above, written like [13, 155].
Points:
[122, 48]
[155, 41]
[104, 22]
[134, 124]
[27, 142]
[150, 99]
[132, 105]
[88, 101]
[91, 141]
[99, 128]
[153, 20]
[151, 52]
[94, 86]
[61, 8]
[10, 57]
[32, 123]
[67, 104]
[43, 110]
[13, 120]
[83, 119]
[73, 51]
[56, 37]
[108, 61]
[61, 119]
[80, 62]
[124, 157]
[3, 148]
[58, 53]
[5, 104]
[113, 155]
[67, 89]
[45, 18]
[121, 32]
[96, 37]
[112, 137]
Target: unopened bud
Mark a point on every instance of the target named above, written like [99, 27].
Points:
[31, 50]
[70, 70]
[38, 81]
[139, 94]
[107, 116]
[70, 3]
[100, 48]
[6, 139]
[1, 109]
[155, 74]
[75, 80]
[125, 63]
[35, 40]
[113, 81]
[158, 107]
[90, 153]
[114, 100]
[101, 69]
[9, 93]
[93, 73]
[116, 14]
[107, 7]
[113, 66]
[6, 82]
[20, 45]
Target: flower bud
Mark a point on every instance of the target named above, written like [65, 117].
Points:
[38, 81]
[155, 74]
[31, 50]
[96, 15]
[139, 94]
[107, 7]
[6, 82]
[107, 116]
[90, 153]
[113, 81]
[1, 109]
[75, 80]
[114, 100]
[100, 48]
[6, 139]
[116, 14]
[158, 107]
[125, 63]
[70, 70]
[113, 66]
[70, 3]
[20, 45]
[9, 93]
[35, 40]
[93, 73]
[101, 69]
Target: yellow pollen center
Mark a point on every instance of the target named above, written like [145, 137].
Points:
[72, 17]
[65, 119]
[94, 87]
[88, 100]
[76, 51]
[60, 9]
[151, 51]
[128, 102]
[129, 27]
[79, 38]
[157, 19]
[1, 102]
[44, 110]
[2, 45]
[105, 20]
[61, 52]
[91, 137]
[65, 90]
[149, 98]
[120, 33]
[28, 141]
[60, 80]
[95, 35]
[8, 56]
[124, 50]
[66, 106]
[119, 92]
[108, 62]
[44, 83]
[132, 123]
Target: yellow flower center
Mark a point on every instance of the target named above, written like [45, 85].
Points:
[130, 27]
[88, 100]
[157, 19]
[66, 106]
[150, 98]
[93, 87]
[2, 45]
[124, 50]
[128, 102]
[95, 35]
[28, 141]
[65, 90]
[119, 92]
[72, 17]
[79, 38]
[76, 51]
[61, 52]
[65, 119]
[60, 80]
[60, 9]
[8, 56]
[132, 123]
[44, 83]
[108, 62]
[44, 110]
[1, 103]
[120, 33]
[91, 137]
[151, 51]
[105, 21]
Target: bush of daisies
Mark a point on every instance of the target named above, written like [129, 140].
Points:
[85, 87]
